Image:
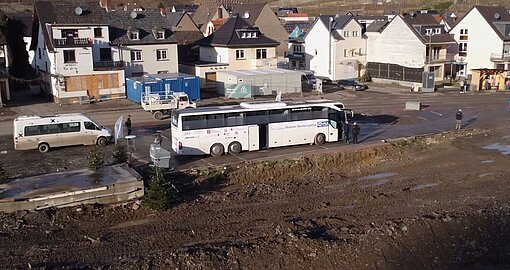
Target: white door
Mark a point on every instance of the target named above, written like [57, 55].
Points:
[253, 138]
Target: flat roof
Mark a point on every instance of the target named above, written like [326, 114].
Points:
[255, 72]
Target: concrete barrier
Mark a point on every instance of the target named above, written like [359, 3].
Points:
[413, 105]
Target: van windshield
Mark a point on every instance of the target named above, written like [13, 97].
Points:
[310, 76]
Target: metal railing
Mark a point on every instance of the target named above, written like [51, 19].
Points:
[435, 58]
[109, 65]
[500, 56]
[64, 42]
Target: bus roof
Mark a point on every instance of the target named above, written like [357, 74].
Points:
[260, 105]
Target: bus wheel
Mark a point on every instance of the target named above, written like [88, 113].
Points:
[235, 148]
[102, 141]
[157, 115]
[43, 148]
[217, 150]
[320, 139]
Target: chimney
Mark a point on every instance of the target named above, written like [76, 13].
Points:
[162, 11]
[220, 13]
[106, 4]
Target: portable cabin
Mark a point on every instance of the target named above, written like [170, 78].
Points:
[135, 86]
[180, 82]
[258, 82]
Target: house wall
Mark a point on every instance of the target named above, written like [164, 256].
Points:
[186, 24]
[396, 44]
[251, 60]
[271, 27]
[316, 50]
[214, 54]
[149, 63]
[482, 41]
[28, 41]
[347, 66]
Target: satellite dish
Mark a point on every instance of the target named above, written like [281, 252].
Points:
[497, 16]
[133, 15]
[246, 15]
[78, 11]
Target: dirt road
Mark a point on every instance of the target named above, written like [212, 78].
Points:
[437, 202]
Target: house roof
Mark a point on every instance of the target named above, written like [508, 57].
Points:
[339, 21]
[451, 21]
[185, 8]
[26, 19]
[371, 17]
[187, 37]
[377, 26]
[304, 26]
[417, 21]
[62, 13]
[173, 18]
[204, 14]
[227, 35]
[497, 17]
[253, 10]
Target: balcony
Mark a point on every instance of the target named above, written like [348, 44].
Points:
[108, 65]
[72, 42]
[440, 58]
[266, 62]
[500, 57]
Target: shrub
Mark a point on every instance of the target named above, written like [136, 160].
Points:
[119, 154]
[366, 77]
[3, 173]
[160, 193]
[96, 159]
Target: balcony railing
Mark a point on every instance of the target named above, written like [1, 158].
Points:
[108, 65]
[266, 62]
[295, 55]
[72, 42]
[438, 58]
[498, 57]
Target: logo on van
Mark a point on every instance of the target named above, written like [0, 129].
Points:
[322, 124]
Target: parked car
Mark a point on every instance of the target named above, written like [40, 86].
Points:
[351, 84]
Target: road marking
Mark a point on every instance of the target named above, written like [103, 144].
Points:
[440, 114]
[323, 147]
[423, 118]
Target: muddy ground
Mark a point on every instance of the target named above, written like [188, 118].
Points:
[439, 202]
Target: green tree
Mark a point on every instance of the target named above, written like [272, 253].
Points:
[160, 193]
[119, 154]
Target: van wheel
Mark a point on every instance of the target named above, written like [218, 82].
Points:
[43, 148]
[320, 139]
[102, 141]
[157, 115]
[235, 148]
[217, 150]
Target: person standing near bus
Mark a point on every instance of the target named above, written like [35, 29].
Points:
[355, 132]
[128, 124]
[346, 129]
[158, 139]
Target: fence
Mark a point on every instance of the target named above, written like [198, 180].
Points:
[394, 72]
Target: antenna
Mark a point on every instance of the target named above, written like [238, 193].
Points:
[247, 15]
[133, 14]
[78, 11]
[497, 16]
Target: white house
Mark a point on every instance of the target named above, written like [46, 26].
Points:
[336, 47]
[81, 51]
[402, 49]
[483, 37]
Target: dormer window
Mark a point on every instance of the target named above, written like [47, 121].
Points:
[248, 35]
[160, 35]
[428, 31]
[254, 35]
[243, 35]
[134, 35]
[437, 31]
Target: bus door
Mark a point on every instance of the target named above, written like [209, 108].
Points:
[335, 125]
[263, 143]
[253, 138]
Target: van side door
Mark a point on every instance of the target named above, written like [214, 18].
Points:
[71, 133]
[90, 133]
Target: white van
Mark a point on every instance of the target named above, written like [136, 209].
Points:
[44, 132]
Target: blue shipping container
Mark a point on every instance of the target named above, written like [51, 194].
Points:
[179, 82]
[135, 86]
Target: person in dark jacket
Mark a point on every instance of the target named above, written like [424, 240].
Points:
[346, 129]
[458, 118]
[128, 124]
[355, 132]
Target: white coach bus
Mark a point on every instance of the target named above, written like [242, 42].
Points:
[255, 126]
[45, 132]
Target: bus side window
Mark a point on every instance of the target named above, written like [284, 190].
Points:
[276, 116]
[194, 122]
[302, 114]
[256, 118]
[319, 113]
[50, 129]
[233, 119]
[215, 120]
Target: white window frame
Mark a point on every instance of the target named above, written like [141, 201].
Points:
[346, 33]
[134, 36]
[428, 31]
[136, 56]
[346, 53]
[240, 55]
[261, 52]
[354, 33]
[160, 33]
[161, 54]
[437, 31]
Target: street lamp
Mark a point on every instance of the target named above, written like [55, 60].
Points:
[329, 51]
